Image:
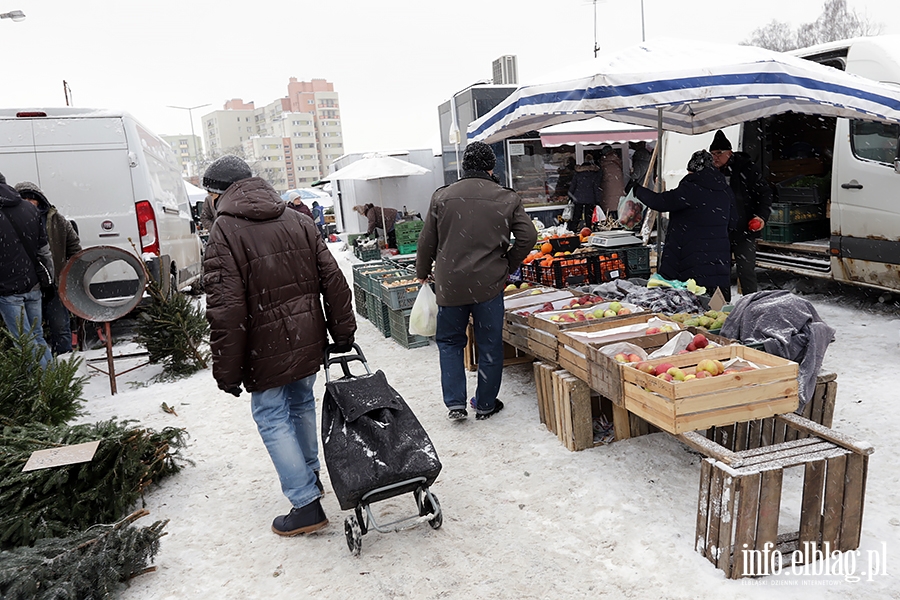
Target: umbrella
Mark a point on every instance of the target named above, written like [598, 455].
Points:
[689, 87]
[377, 166]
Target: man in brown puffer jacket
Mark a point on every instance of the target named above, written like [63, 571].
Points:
[264, 271]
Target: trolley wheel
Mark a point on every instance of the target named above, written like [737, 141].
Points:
[353, 535]
[428, 507]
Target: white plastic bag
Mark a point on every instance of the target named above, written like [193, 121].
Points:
[568, 211]
[423, 318]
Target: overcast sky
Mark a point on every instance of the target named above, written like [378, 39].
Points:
[393, 62]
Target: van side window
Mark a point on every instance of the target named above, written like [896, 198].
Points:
[875, 141]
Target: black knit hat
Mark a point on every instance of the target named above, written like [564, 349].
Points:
[720, 142]
[224, 171]
[478, 157]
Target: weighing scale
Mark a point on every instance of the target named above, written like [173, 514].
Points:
[612, 239]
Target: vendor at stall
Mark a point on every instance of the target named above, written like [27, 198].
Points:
[700, 217]
[380, 218]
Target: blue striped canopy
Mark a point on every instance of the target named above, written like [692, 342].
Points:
[695, 86]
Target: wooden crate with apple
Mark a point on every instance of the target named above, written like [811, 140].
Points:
[605, 372]
[519, 307]
[574, 345]
[543, 337]
[730, 396]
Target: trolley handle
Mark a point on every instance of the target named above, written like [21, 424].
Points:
[343, 360]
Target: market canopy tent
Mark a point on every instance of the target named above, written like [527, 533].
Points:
[377, 166]
[689, 87]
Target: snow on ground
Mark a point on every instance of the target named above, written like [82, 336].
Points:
[523, 516]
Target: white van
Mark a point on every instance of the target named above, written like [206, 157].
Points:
[847, 171]
[116, 181]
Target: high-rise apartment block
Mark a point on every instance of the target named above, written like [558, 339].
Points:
[188, 150]
[291, 140]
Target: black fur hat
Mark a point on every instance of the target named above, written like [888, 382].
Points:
[478, 157]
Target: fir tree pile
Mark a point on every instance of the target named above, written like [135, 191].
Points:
[173, 330]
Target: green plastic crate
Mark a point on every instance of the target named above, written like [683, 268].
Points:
[784, 213]
[407, 227]
[796, 232]
[374, 278]
[367, 255]
[399, 297]
[399, 320]
[361, 301]
[378, 314]
[406, 248]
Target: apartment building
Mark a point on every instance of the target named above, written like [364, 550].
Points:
[188, 149]
[291, 141]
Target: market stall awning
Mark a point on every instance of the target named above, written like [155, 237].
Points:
[594, 131]
[691, 87]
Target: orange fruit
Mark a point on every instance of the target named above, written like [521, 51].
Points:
[546, 247]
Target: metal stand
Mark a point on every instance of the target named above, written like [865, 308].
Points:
[110, 360]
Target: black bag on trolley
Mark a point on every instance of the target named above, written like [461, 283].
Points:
[372, 439]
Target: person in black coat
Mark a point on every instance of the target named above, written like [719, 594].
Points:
[753, 205]
[585, 191]
[22, 236]
[700, 216]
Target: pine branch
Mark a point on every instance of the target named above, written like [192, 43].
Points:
[90, 564]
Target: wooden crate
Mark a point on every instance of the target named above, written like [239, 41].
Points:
[739, 503]
[544, 340]
[516, 335]
[604, 373]
[677, 407]
[564, 406]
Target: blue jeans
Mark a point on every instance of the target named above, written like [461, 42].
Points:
[59, 325]
[487, 319]
[26, 307]
[286, 419]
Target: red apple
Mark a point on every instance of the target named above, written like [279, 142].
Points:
[701, 374]
[691, 347]
[700, 341]
[645, 367]
[665, 377]
[652, 330]
[633, 358]
[586, 232]
[663, 368]
[620, 357]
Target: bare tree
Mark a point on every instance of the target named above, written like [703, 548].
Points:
[836, 22]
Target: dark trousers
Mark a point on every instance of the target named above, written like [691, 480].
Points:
[743, 248]
[583, 213]
[58, 329]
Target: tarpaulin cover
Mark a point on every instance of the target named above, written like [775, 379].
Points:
[371, 439]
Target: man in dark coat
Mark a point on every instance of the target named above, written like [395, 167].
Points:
[466, 235]
[22, 236]
[265, 269]
[64, 244]
[586, 191]
[697, 245]
[753, 205]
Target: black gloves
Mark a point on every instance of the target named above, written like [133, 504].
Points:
[342, 347]
[234, 390]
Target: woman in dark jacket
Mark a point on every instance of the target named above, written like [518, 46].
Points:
[585, 191]
[700, 216]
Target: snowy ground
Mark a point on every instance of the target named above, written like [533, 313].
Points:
[523, 516]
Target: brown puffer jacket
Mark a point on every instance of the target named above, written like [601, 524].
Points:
[467, 232]
[264, 270]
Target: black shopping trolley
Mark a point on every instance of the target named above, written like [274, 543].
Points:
[375, 449]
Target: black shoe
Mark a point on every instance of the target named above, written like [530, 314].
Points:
[457, 414]
[305, 519]
[319, 483]
[498, 406]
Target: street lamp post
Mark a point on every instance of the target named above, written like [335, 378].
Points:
[15, 15]
[191, 117]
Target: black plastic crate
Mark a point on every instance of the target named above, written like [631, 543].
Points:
[815, 193]
[637, 259]
[565, 244]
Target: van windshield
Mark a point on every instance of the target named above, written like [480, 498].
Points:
[875, 141]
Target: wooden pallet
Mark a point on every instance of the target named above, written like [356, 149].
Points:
[739, 503]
